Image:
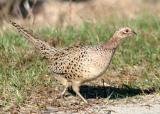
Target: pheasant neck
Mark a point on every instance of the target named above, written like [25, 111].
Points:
[112, 43]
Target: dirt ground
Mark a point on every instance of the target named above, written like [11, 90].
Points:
[149, 104]
[102, 100]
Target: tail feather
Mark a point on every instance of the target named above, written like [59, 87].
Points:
[44, 48]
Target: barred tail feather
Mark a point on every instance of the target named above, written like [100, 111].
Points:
[41, 46]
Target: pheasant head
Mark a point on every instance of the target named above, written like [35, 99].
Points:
[123, 33]
[117, 36]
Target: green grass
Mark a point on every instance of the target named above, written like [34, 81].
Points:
[20, 72]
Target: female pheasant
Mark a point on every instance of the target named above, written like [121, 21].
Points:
[77, 64]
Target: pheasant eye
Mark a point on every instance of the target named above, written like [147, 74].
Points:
[127, 30]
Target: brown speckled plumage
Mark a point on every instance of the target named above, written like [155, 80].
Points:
[77, 64]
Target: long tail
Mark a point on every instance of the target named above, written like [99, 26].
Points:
[44, 48]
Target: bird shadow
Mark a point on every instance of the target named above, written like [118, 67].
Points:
[92, 92]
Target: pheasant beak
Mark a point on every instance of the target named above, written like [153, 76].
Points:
[134, 32]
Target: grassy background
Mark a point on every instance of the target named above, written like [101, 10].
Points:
[22, 70]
